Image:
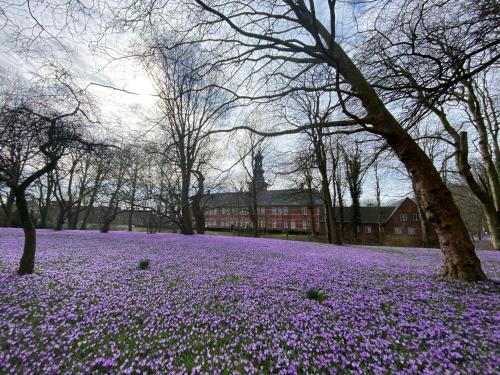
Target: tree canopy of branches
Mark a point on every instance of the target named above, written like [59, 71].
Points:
[440, 58]
[277, 41]
[189, 104]
[33, 138]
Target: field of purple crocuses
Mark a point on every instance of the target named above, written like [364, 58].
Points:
[213, 304]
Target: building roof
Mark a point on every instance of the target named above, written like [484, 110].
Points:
[285, 197]
[297, 197]
[369, 215]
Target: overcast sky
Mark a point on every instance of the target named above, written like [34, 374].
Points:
[93, 59]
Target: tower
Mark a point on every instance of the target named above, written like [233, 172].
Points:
[260, 182]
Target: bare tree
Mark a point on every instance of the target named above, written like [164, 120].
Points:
[356, 170]
[317, 108]
[445, 63]
[187, 112]
[281, 41]
[33, 139]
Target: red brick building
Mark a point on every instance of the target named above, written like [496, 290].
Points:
[400, 223]
[277, 210]
[296, 210]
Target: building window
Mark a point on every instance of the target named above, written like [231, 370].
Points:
[403, 217]
[274, 210]
[285, 210]
[274, 223]
[261, 223]
[304, 211]
[280, 211]
[397, 230]
[262, 211]
[411, 231]
[285, 224]
[292, 224]
[304, 224]
[416, 217]
[368, 229]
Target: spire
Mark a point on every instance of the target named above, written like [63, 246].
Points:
[260, 181]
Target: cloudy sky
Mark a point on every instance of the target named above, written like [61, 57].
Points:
[121, 86]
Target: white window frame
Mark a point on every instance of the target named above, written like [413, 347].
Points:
[292, 224]
[285, 210]
[416, 217]
[274, 211]
[412, 231]
[304, 224]
[273, 223]
[368, 229]
[403, 217]
[397, 230]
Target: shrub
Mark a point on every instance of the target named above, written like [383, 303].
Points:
[315, 295]
[144, 264]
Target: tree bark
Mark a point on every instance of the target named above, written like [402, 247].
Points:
[460, 260]
[311, 206]
[186, 223]
[381, 234]
[485, 194]
[493, 222]
[199, 217]
[424, 222]
[341, 209]
[27, 263]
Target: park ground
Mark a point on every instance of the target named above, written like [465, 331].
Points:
[219, 304]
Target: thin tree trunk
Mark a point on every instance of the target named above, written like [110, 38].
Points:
[186, 223]
[8, 208]
[60, 217]
[341, 209]
[311, 206]
[493, 222]
[27, 263]
[424, 222]
[381, 234]
[199, 217]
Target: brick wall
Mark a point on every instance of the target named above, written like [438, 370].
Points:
[271, 218]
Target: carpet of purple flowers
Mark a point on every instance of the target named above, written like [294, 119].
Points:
[212, 304]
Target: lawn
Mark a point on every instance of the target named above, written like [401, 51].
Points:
[218, 304]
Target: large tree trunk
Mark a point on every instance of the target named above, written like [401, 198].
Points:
[460, 260]
[27, 263]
